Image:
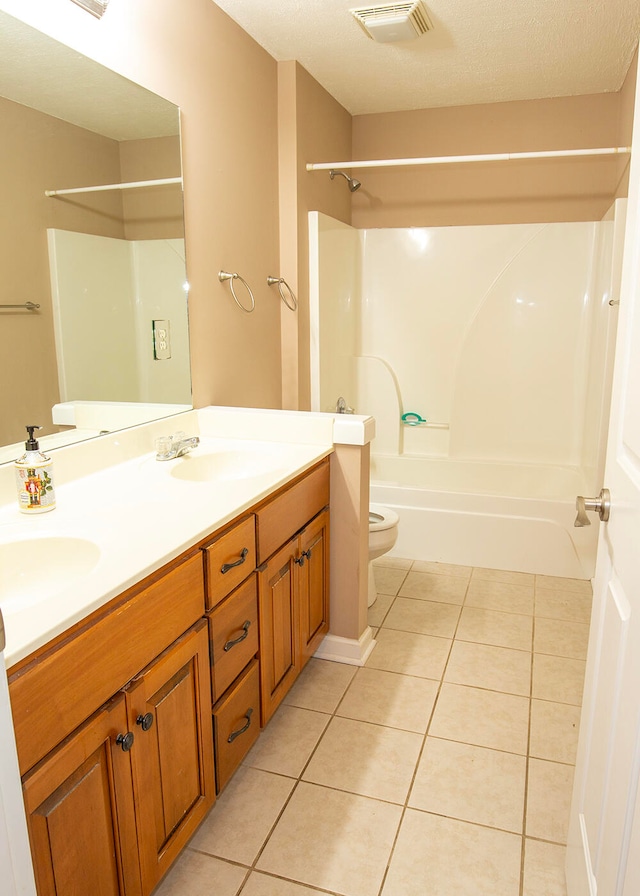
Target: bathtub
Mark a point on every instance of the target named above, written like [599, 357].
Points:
[496, 515]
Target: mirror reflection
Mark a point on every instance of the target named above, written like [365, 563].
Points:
[108, 345]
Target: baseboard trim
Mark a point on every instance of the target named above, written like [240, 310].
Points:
[347, 650]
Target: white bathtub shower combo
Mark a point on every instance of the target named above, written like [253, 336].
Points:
[495, 344]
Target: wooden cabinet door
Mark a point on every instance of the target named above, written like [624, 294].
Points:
[169, 709]
[279, 623]
[313, 585]
[80, 812]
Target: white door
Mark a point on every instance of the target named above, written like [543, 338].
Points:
[603, 854]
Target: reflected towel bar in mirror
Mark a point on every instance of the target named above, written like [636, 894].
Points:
[30, 306]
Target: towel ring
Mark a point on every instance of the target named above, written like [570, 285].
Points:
[282, 282]
[224, 275]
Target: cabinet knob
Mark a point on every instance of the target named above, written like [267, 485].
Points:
[125, 741]
[145, 721]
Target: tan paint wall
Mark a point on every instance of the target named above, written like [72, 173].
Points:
[625, 125]
[156, 212]
[488, 192]
[313, 127]
[226, 87]
[38, 153]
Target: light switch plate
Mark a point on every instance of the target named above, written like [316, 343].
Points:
[161, 340]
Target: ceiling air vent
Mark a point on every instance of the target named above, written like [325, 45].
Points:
[390, 22]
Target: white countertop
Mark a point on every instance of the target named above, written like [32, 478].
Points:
[140, 513]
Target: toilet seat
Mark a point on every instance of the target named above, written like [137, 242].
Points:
[381, 518]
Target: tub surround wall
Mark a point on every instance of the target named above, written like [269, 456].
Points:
[499, 336]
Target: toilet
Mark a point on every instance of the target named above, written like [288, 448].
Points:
[383, 534]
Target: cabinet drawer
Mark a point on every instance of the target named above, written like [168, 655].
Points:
[55, 693]
[236, 719]
[233, 635]
[284, 516]
[229, 560]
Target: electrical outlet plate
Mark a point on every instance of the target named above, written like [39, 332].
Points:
[161, 340]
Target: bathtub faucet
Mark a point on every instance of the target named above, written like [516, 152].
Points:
[342, 407]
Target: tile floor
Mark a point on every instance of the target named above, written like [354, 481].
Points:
[442, 767]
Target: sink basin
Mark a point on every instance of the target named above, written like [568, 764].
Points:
[35, 569]
[226, 465]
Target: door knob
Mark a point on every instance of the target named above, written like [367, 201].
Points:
[600, 505]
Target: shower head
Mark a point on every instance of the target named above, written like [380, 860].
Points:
[353, 183]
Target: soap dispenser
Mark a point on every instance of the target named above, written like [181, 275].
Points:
[34, 478]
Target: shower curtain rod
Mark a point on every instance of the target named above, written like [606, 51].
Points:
[448, 160]
[130, 186]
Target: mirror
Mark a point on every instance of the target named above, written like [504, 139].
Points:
[119, 347]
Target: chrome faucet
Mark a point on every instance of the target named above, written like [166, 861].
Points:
[342, 407]
[177, 445]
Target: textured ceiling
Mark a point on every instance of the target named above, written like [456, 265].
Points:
[82, 91]
[480, 51]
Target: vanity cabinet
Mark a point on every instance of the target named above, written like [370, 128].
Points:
[128, 723]
[80, 812]
[110, 806]
[293, 583]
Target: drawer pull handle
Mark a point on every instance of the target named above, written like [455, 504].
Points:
[125, 741]
[227, 566]
[240, 731]
[145, 721]
[245, 629]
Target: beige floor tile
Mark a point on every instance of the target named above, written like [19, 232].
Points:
[384, 698]
[442, 569]
[441, 857]
[548, 800]
[484, 718]
[332, 840]
[430, 586]
[285, 745]
[243, 815]
[395, 562]
[379, 609]
[544, 869]
[388, 579]
[503, 575]
[424, 617]
[581, 586]
[321, 685]
[567, 605]
[501, 596]
[558, 679]
[492, 627]
[471, 783]
[409, 653]
[194, 874]
[494, 668]
[367, 759]
[560, 638]
[265, 885]
[554, 731]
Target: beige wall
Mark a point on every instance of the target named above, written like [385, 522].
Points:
[488, 192]
[38, 153]
[249, 126]
[226, 87]
[313, 126]
[156, 212]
